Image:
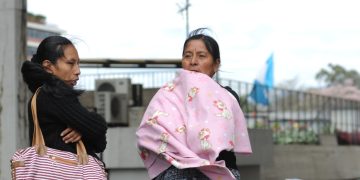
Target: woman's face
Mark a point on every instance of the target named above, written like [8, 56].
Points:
[67, 67]
[197, 58]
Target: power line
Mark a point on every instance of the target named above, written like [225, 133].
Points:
[186, 9]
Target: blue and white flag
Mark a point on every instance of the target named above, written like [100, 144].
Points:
[263, 83]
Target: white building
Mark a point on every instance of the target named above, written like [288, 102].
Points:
[36, 31]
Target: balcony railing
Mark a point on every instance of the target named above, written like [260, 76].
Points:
[296, 117]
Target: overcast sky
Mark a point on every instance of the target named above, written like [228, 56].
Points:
[304, 35]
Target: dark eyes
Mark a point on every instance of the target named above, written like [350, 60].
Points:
[190, 56]
[72, 63]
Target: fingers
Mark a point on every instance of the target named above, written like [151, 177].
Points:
[67, 130]
[70, 135]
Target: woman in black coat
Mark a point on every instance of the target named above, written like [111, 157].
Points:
[63, 120]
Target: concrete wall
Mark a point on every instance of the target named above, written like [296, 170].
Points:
[13, 124]
[314, 162]
[121, 155]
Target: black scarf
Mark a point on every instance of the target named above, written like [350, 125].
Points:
[35, 76]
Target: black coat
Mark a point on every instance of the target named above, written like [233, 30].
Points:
[58, 107]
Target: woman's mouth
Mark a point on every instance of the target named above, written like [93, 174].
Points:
[73, 82]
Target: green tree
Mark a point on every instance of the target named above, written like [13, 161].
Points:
[336, 74]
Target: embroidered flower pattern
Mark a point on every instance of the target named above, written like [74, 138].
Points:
[154, 118]
[173, 161]
[169, 86]
[144, 153]
[224, 112]
[204, 135]
[192, 93]
[231, 143]
[181, 129]
[164, 141]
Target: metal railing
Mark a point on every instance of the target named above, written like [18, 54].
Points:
[149, 79]
[300, 117]
[295, 117]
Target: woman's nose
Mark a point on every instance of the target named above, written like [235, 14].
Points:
[194, 61]
[77, 70]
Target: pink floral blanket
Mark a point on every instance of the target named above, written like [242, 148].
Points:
[188, 123]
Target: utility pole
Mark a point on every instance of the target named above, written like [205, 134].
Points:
[186, 9]
[12, 89]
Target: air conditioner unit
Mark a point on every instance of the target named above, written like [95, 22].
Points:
[118, 85]
[113, 107]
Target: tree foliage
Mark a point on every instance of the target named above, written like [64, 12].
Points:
[336, 74]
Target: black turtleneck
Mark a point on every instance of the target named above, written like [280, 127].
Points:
[58, 107]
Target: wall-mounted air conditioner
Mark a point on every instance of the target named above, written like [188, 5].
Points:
[118, 85]
[113, 107]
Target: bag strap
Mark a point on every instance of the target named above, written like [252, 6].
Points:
[38, 138]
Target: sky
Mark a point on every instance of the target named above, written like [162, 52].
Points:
[303, 35]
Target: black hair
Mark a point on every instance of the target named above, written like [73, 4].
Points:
[210, 43]
[51, 48]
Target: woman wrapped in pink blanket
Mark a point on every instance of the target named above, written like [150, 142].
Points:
[193, 126]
